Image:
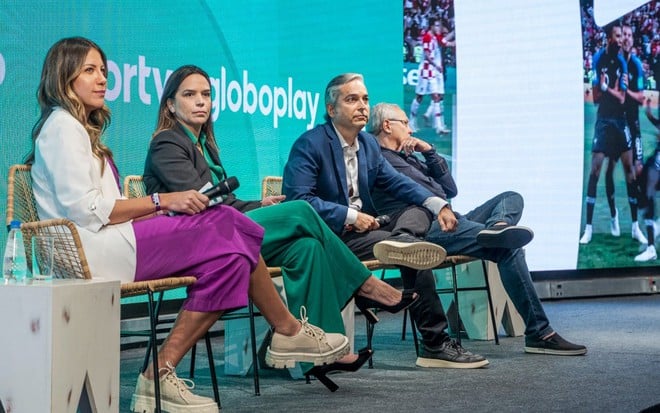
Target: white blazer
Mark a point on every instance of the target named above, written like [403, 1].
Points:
[67, 183]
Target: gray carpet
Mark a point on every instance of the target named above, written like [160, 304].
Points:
[621, 372]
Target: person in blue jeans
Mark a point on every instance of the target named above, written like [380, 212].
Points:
[490, 231]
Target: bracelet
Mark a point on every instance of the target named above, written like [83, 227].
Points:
[155, 198]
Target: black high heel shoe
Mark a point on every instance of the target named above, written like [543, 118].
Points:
[320, 372]
[365, 305]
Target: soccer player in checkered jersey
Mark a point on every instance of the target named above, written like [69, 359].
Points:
[431, 77]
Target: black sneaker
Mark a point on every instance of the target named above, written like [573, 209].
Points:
[505, 236]
[450, 356]
[555, 345]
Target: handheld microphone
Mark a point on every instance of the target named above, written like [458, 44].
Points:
[222, 188]
[383, 220]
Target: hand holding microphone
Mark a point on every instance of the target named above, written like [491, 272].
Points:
[383, 220]
[186, 202]
[221, 188]
[366, 222]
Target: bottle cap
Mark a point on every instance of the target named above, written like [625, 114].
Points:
[15, 224]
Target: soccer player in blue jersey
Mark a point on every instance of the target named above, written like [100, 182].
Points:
[611, 136]
[633, 98]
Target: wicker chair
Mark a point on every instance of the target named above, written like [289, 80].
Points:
[70, 260]
[272, 185]
[134, 188]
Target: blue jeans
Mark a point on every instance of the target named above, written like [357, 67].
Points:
[517, 282]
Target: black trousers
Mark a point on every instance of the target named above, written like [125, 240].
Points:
[427, 311]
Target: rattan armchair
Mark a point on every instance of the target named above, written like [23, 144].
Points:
[270, 186]
[70, 260]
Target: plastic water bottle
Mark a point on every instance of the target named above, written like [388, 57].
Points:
[14, 265]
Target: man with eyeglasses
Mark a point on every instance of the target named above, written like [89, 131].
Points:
[336, 167]
[490, 231]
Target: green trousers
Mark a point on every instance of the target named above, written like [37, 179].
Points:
[319, 271]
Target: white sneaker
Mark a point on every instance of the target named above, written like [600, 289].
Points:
[586, 237]
[311, 345]
[175, 395]
[648, 254]
[441, 130]
[638, 234]
[614, 224]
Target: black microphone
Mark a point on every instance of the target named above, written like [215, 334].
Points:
[383, 220]
[222, 188]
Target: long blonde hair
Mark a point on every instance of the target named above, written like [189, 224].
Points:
[62, 66]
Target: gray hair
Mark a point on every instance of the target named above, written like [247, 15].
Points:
[332, 90]
[379, 114]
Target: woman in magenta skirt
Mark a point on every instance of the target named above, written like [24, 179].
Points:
[74, 177]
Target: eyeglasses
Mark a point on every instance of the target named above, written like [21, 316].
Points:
[403, 121]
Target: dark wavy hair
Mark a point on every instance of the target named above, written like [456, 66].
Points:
[166, 119]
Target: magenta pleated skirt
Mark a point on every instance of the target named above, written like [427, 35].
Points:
[219, 246]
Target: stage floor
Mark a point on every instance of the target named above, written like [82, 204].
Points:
[620, 373]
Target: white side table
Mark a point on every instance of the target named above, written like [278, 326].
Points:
[59, 346]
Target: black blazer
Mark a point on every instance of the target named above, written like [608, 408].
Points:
[174, 164]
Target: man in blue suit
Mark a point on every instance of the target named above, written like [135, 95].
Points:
[335, 167]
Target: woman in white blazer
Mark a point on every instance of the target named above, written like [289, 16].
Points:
[74, 177]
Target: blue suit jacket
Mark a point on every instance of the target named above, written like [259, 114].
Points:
[316, 173]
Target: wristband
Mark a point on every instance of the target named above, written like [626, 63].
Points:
[155, 198]
[603, 87]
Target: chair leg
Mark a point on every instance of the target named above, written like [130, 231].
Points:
[403, 328]
[153, 314]
[193, 357]
[458, 316]
[214, 378]
[255, 357]
[156, 312]
[490, 302]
